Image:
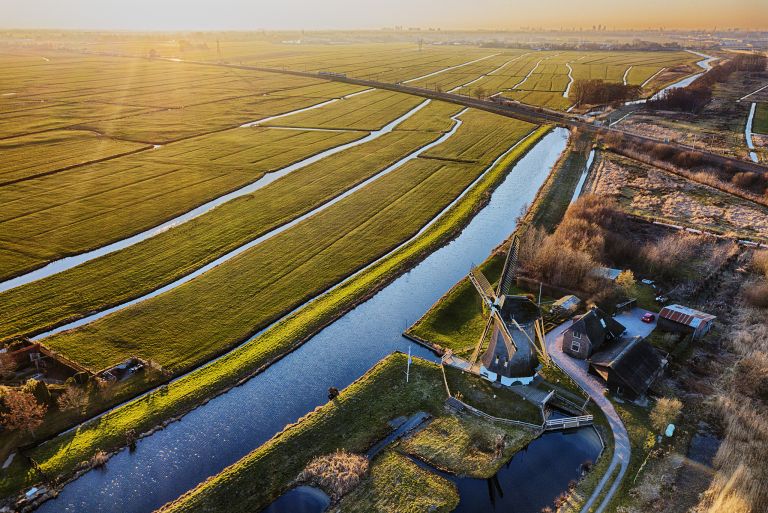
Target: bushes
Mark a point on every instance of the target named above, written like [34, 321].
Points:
[338, 473]
[670, 257]
[757, 295]
[598, 92]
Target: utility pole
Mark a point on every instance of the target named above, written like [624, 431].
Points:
[408, 367]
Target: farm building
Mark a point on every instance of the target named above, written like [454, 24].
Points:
[590, 333]
[629, 368]
[681, 319]
[605, 273]
[566, 305]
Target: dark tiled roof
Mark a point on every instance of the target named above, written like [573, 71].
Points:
[635, 361]
[599, 327]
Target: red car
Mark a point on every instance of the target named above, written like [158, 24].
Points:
[649, 317]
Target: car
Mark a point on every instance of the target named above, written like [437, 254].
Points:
[648, 317]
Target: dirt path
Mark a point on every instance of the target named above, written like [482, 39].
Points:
[577, 369]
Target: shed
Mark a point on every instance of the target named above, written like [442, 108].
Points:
[605, 273]
[629, 368]
[566, 305]
[590, 333]
[681, 319]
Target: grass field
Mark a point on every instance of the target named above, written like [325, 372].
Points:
[73, 211]
[395, 483]
[232, 301]
[150, 264]
[465, 445]
[368, 111]
[61, 455]
[541, 78]
[31, 156]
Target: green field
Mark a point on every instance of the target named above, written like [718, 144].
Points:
[73, 211]
[234, 300]
[31, 156]
[150, 264]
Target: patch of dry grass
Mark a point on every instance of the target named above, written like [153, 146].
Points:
[337, 473]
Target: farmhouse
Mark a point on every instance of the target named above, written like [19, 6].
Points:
[629, 367]
[591, 332]
[681, 319]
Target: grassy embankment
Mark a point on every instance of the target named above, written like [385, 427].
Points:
[261, 476]
[146, 266]
[61, 455]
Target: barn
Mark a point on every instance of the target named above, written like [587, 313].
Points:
[681, 319]
[628, 368]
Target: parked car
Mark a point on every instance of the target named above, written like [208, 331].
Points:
[661, 299]
[648, 317]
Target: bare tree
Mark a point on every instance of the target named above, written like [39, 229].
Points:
[73, 398]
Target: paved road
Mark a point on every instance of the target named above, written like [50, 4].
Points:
[577, 369]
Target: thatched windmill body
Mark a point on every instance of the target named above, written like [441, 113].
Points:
[513, 331]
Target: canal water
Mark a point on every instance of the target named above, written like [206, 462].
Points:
[217, 434]
[534, 477]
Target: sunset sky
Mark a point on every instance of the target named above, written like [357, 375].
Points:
[349, 14]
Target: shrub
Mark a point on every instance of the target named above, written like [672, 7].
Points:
[337, 473]
[99, 459]
[757, 294]
[664, 412]
[73, 398]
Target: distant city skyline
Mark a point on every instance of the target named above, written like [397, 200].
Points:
[366, 14]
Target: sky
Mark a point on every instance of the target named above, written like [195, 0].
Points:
[374, 14]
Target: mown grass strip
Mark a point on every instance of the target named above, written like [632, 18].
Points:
[61, 455]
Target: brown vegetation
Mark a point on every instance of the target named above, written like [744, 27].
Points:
[694, 166]
[742, 459]
[337, 473]
[22, 412]
[694, 97]
[595, 92]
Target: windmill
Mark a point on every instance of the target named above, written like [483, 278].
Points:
[516, 336]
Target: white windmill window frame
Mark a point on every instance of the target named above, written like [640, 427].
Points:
[575, 346]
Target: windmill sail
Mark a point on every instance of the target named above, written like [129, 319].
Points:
[476, 352]
[483, 286]
[509, 273]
